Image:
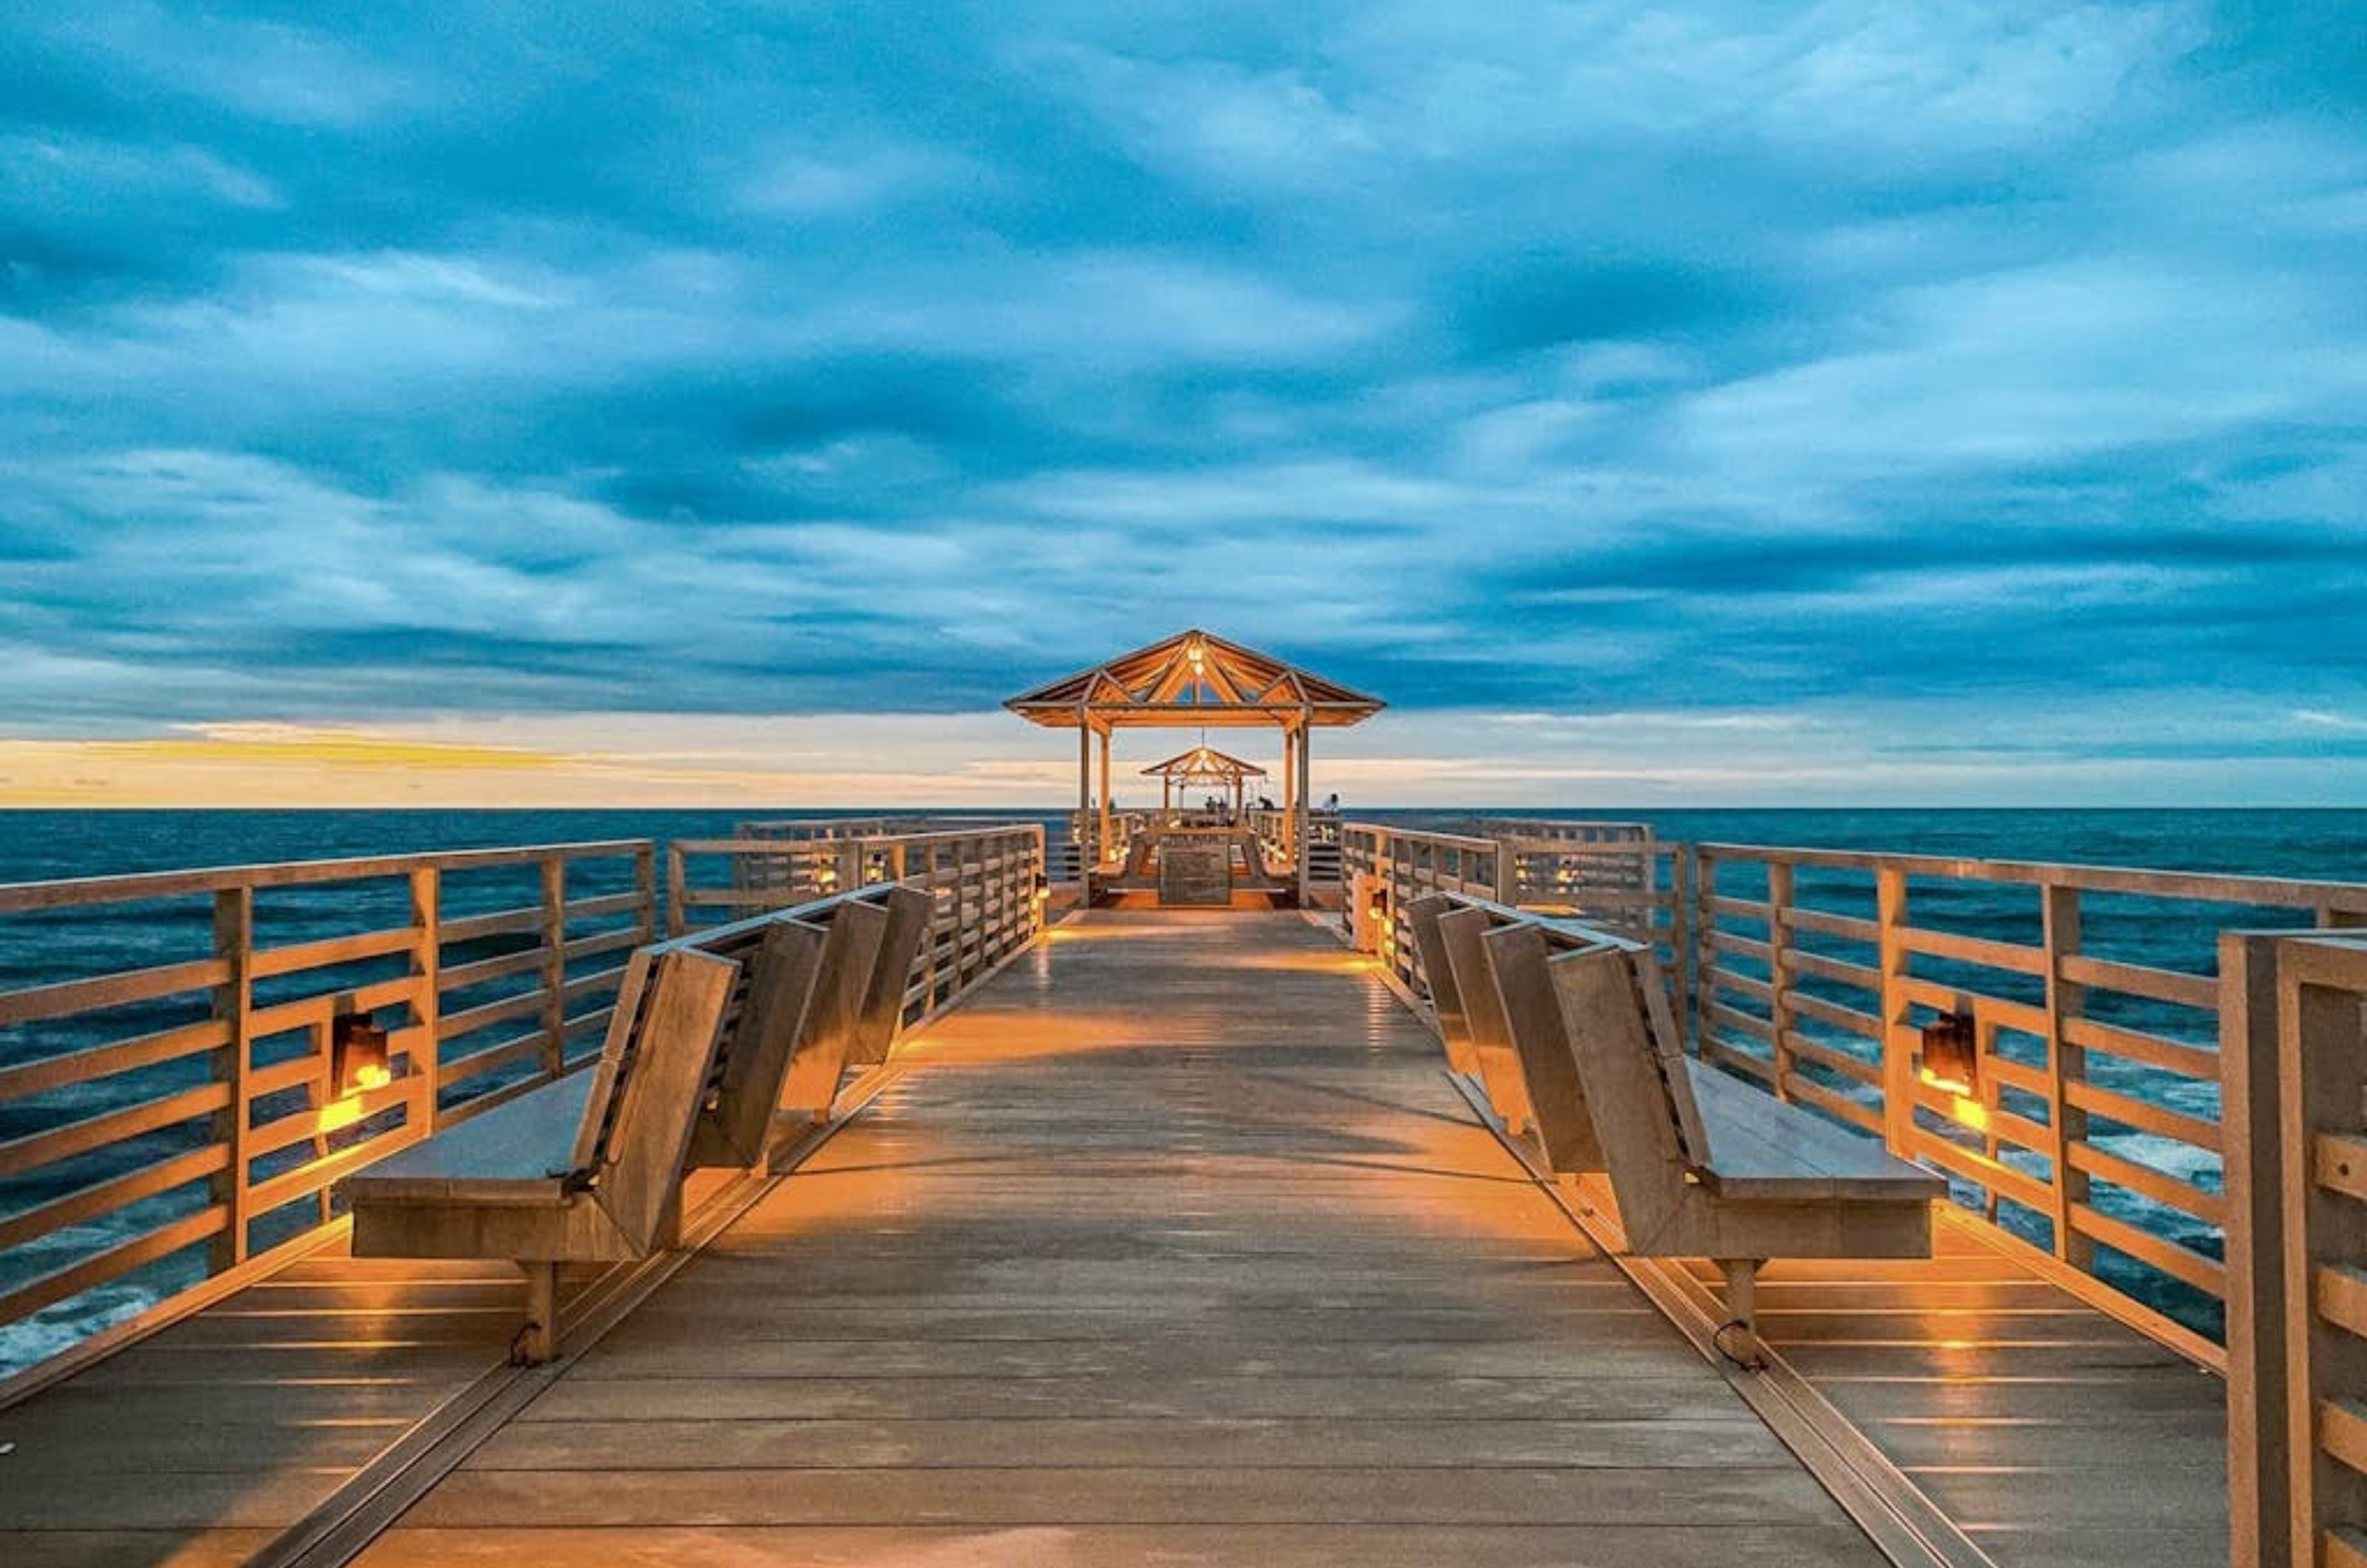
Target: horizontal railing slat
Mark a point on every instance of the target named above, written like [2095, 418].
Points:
[112, 1263]
[38, 1003]
[37, 1149]
[44, 1075]
[100, 1199]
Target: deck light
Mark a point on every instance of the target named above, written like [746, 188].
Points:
[1951, 1055]
[358, 1058]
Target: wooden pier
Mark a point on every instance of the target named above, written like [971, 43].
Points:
[1172, 1241]
[2033, 1195]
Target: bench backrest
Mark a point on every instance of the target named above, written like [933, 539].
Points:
[782, 960]
[1423, 913]
[1632, 1066]
[651, 1076]
[1462, 932]
[911, 914]
[1516, 953]
[813, 973]
[818, 1057]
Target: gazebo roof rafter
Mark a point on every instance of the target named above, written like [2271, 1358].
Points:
[1193, 678]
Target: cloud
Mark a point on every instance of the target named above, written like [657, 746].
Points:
[1696, 375]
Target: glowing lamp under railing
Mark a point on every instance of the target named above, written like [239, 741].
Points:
[1952, 1054]
[360, 1057]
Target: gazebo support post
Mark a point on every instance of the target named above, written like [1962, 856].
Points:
[1086, 854]
[1300, 857]
[1105, 792]
[1289, 790]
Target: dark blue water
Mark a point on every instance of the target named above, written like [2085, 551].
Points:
[2326, 844]
[2329, 845]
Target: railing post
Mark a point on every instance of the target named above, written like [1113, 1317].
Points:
[1681, 940]
[676, 879]
[1779, 975]
[1704, 953]
[232, 1004]
[2321, 1000]
[2066, 1067]
[645, 888]
[2259, 1452]
[426, 970]
[554, 966]
[1897, 1053]
[938, 990]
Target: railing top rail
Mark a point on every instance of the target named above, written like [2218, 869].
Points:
[2216, 887]
[790, 846]
[1459, 840]
[707, 935]
[777, 823]
[1565, 928]
[16, 898]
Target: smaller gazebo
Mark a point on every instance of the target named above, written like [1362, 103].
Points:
[1201, 768]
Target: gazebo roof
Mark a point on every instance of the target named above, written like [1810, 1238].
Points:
[1203, 765]
[1192, 678]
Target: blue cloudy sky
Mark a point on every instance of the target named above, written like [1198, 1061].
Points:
[1871, 400]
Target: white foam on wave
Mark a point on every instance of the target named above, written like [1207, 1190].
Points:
[61, 1327]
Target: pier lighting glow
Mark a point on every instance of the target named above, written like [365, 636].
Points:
[358, 1055]
[1952, 1055]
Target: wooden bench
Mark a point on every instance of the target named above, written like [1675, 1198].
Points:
[1471, 1023]
[1700, 1165]
[711, 1035]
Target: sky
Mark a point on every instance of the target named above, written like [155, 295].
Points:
[1877, 402]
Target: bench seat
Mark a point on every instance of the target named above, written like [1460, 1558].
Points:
[515, 1153]
[1762, 1149]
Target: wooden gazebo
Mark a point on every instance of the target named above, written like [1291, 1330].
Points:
[1193, 680]
[1201, 768]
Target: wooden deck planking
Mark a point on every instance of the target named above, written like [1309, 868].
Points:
[2051, 1433]
[197, 1445]
[1172, 1240]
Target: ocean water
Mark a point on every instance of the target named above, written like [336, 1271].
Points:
[42, 845]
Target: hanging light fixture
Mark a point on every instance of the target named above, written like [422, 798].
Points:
[358, 1054]
[1952, 1052]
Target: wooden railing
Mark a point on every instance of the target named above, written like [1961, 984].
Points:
[166, 1110]
[2296, 1133]
[1608, 868]
[2092, 1132]
[1613, 874]
[1387, 868]
[1085, 830]
[988, 883]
